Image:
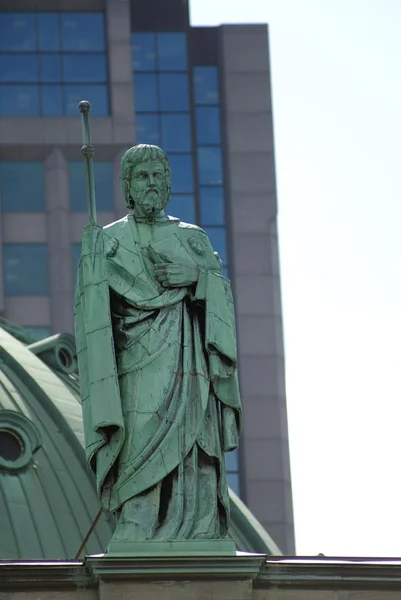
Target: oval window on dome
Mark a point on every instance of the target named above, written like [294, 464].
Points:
[19, 440]
[11, 445]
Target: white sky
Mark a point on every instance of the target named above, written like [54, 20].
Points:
[336, 67]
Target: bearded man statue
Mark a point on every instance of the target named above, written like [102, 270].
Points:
[164, 407]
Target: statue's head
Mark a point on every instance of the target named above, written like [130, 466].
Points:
[146, 178]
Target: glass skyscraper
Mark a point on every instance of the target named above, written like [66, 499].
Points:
[203, 95]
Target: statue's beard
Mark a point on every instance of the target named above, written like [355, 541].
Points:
[151, 202]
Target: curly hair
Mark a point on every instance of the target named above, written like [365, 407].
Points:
[135, 155]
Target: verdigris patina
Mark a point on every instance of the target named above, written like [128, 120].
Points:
[155, 331]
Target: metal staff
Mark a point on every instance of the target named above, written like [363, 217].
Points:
[87, 151]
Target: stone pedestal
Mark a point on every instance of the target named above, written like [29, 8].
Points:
[175, 577]
[173, 548]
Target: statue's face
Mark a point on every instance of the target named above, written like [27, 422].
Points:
[149, 187]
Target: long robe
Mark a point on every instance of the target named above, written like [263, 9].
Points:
[164, 406]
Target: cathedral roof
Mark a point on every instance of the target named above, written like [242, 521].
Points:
[48, 497]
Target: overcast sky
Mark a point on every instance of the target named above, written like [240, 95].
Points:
[336, 79]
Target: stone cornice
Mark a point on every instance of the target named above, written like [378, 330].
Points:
[330, 573]
[262, 572]
[44, 574]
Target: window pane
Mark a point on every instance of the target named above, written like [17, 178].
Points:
[181, 171]
[147, 129]
[210, 166]
[217, 237]
[25, 269]
[174, 92]
[212, 206]
[85, 68]
[206, 85]
[39, 333]
[143, 52]
[10, 186]
[83, 32]
[77, 184]
[51, 97]
[95, 94]
[22, 186]
[145, 92]
[208, 125]
[50, 68]
[172, 51]
[33, 186]
[20, 68]
[232, 461]
[104, 184]
[225, 273]
[49, 32]
[233, 482]
[176, 133]
[17, 32]
[19, 100]
[182, 207]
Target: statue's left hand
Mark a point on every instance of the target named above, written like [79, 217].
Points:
[176, 275]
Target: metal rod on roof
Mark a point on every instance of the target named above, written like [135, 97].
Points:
[95, 522]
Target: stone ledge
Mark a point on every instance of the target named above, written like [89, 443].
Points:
[323, 573]
[240, 577]
[44, 574]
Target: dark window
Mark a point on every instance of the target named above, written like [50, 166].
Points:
[82, 32]
[208, 125]
[104, 182]
[147, 129]
[210, 165]
[25, 269]
[173, 92]
[145, 92]
[217, 237]
[176, 132]
[172, 51]
[182, 207]
[11, 445]
[205, 45]
[19, 68]
[212, 206]
[154, 15]
[181, 171]
[86, 68]
[206, 85]
[50, 68]
[96, 94]
[52, 100]
[22, 186]
[144, 51]
[49, 32]
[17, 32]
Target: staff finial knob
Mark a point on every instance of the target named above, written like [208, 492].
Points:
[84, 106]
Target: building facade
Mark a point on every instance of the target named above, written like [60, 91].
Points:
[203, 94]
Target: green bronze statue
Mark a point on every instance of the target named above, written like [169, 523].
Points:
[156, 344]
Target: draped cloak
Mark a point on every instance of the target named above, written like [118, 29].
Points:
[158, 367]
